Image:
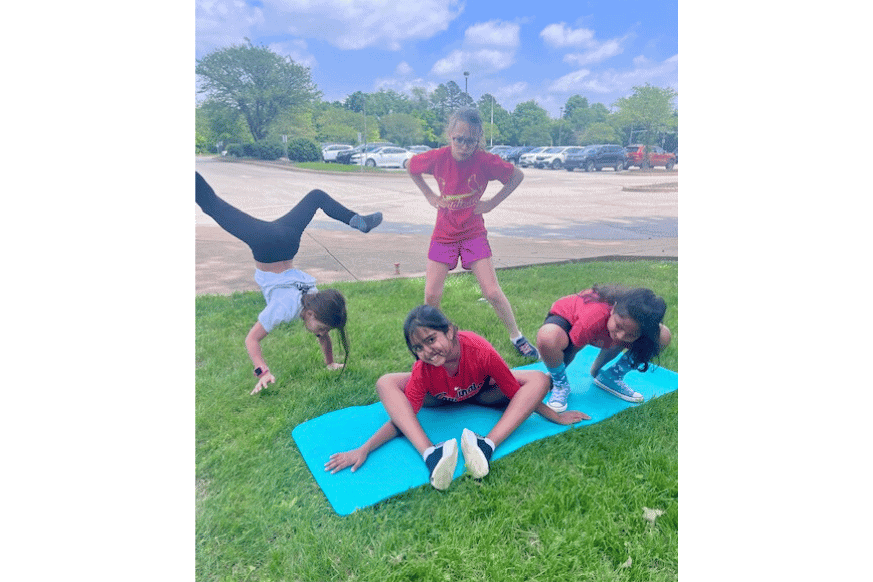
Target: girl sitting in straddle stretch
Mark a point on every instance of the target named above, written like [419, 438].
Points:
[453, 366]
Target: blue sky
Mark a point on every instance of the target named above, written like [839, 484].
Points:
[517, 51]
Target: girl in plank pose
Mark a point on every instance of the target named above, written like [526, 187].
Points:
[290, 294]
[453, 366]
[613, 318]
[463, 170]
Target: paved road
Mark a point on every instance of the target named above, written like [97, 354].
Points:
[553, 216]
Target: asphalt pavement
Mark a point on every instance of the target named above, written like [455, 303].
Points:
[554, 216]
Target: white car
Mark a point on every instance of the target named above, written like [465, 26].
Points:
[384, 157]
[329, 152]
[527, 159]
[554, 157]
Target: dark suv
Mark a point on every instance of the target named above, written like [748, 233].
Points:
[596, 157]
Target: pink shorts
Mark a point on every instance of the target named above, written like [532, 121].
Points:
[470, 251]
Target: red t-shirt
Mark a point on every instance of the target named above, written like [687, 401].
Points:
[479, 361]
[588, 319]
[462, 184]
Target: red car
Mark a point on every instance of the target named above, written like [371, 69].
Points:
[635, 155]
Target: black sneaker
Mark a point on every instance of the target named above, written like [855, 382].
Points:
[526, 349]
[477, 453]
[442, 459]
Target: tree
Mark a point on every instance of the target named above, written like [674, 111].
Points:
[531, 124]
[648, 113]
[256, 81]
[402, 129]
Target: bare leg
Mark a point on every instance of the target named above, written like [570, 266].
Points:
[534, 386]
[435, 279]
[483, 269]
[390, 388]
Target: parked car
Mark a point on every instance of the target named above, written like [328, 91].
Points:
[554, 157]
[329, 151]
[513, 154]
[384, 157]
[596, 157]
[527, 159]
[417, 149]
[345, 156]
[499, 149]
[636, 155]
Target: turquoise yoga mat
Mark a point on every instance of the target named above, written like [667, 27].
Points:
[396, 466]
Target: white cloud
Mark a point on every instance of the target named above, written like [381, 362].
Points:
[357, 24]
[220, 23]
[297, 50]
[488, 47]
[345, 24]
[560, 35]
[603, 51]
[403, 69]
[493, 33]
[480, 61]
[664, 73]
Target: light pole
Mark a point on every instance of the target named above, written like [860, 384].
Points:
[466, 74]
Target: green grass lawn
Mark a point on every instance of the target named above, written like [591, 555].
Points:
[569, 507]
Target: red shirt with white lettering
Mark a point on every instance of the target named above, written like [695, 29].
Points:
[461, 184]
[479, 362]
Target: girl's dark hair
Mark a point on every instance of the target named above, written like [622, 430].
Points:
[329, 307]
[425, 316]
[644, 307]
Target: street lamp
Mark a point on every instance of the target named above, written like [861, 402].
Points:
[466, 74]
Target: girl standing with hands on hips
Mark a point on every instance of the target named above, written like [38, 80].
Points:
[463, 170]
[612, 318]
[453, 366]
[290, 294]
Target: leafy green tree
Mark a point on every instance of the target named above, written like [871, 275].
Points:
[338, 124]
[402, 129]
[531, 124]
[599, 132]
[501, 131]
[258, 82]
[216, 122]
[647, 114]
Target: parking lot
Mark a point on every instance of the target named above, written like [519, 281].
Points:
[553, 216]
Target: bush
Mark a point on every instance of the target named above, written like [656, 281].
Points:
[303, 150]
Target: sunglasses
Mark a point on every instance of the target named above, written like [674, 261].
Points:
[467, 141]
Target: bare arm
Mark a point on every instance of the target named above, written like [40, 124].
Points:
[431, 196]
[605, 355]
[566, 417]
[356, 457]
[253, 346]
[488, 205]
[327, 350]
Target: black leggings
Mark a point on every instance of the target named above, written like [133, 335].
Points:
[274, 241]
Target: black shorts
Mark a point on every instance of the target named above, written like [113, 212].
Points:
[570, 350]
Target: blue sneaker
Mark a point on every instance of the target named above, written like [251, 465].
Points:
[611, 381]
[477, 453]
[441, 460]
[526, 349]
[560, 393]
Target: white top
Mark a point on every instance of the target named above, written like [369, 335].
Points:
[283, 293]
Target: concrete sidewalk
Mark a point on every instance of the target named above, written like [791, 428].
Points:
[332, 252]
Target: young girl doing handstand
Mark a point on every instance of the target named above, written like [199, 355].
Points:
[612, 318]
[453, 366]
[289, 293]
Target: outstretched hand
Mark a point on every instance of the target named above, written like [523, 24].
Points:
[572, 417]
[267, 378]
[339, 461]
